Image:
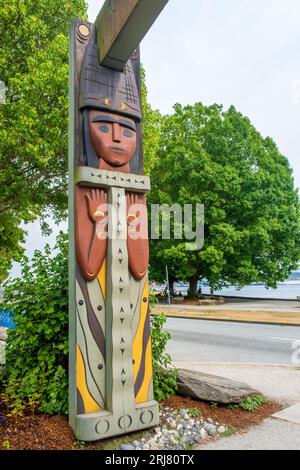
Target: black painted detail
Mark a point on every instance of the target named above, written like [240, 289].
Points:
[122, 340]
[81, 302]
[133, 361]
[123, 371]
[99, 308]
[122, 351]
[131, 305]
[123, 382]
[100, 366]
[121, 289]
[145, 299]
[122, 310]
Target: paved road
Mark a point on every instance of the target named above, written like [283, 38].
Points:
[213, 341]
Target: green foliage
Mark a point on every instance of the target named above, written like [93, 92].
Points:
[253, 403]
[232, 406]
[230, 430]
[152, 121]
[252, 213]
[164, 375]
[6, 444]
[36, 374]
[34, 120]
[194, 412]
[214, 405]
[37, 349]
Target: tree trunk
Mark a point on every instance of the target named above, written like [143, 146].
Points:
[193, 289]
[171, 284]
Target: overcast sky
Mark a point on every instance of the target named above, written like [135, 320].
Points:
[240, 52]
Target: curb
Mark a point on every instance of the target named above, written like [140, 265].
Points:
[241, 364]
[230, 321]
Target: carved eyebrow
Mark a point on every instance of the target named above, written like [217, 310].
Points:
[111, 120]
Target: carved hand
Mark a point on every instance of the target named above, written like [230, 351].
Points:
[96, 203]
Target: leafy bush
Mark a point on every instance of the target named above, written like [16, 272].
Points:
[36, 374]
[253, 403]
[37, 349]
[164, 376]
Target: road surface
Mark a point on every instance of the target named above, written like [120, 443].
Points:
[213, 341]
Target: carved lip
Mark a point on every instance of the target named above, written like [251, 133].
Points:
[118, 149]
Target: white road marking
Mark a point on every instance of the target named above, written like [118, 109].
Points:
[283, 339]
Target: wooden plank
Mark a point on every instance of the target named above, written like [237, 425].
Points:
[121, 26]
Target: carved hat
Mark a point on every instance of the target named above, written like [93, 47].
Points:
[109, 90]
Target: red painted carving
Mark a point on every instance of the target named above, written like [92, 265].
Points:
[137, 240]
[90, 228]
[113, 138]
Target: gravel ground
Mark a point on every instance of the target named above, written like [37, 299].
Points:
[180, 430]
[272, 434]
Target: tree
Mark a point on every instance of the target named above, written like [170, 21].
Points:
[33, 121]
[252, 213]
[152, 121]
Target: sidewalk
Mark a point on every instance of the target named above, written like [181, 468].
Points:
[250, 312]
[278, 382]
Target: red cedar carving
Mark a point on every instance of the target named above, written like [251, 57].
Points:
[89, 225]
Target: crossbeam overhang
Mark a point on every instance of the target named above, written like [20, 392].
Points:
[121, 26]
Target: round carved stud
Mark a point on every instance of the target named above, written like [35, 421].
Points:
[125, 422]
[102, 426]
[99, 308]
[81, 302]
[145, 299]
[84, 30]
[147, 417]
[100, 366]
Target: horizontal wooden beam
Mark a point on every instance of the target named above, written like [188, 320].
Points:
[121, 26]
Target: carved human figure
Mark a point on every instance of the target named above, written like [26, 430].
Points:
[113, 138]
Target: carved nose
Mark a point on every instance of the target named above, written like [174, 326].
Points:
[116, 132]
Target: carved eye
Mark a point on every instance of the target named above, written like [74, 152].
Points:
[128, 133]
[104, 129]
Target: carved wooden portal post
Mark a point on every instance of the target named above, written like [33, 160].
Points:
[111, 390]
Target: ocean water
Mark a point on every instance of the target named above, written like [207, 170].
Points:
[289, 290]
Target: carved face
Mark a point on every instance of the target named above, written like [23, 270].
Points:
[113, 137]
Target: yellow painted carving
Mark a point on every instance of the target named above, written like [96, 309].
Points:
[102, 278]
[138, 340]
[90, 405]
[143, 394]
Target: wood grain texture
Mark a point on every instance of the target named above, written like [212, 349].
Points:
[121, 27]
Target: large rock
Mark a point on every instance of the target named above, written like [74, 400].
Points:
[2, 353]
[3, 334]
[211, 388]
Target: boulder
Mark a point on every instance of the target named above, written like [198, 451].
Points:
[211, 388]
[3, 334]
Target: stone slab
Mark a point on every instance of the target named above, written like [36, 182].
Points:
[212, 388]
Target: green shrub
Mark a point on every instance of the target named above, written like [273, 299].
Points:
[164, 375]
[36, 374]
[37, 349]
[253, 403]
